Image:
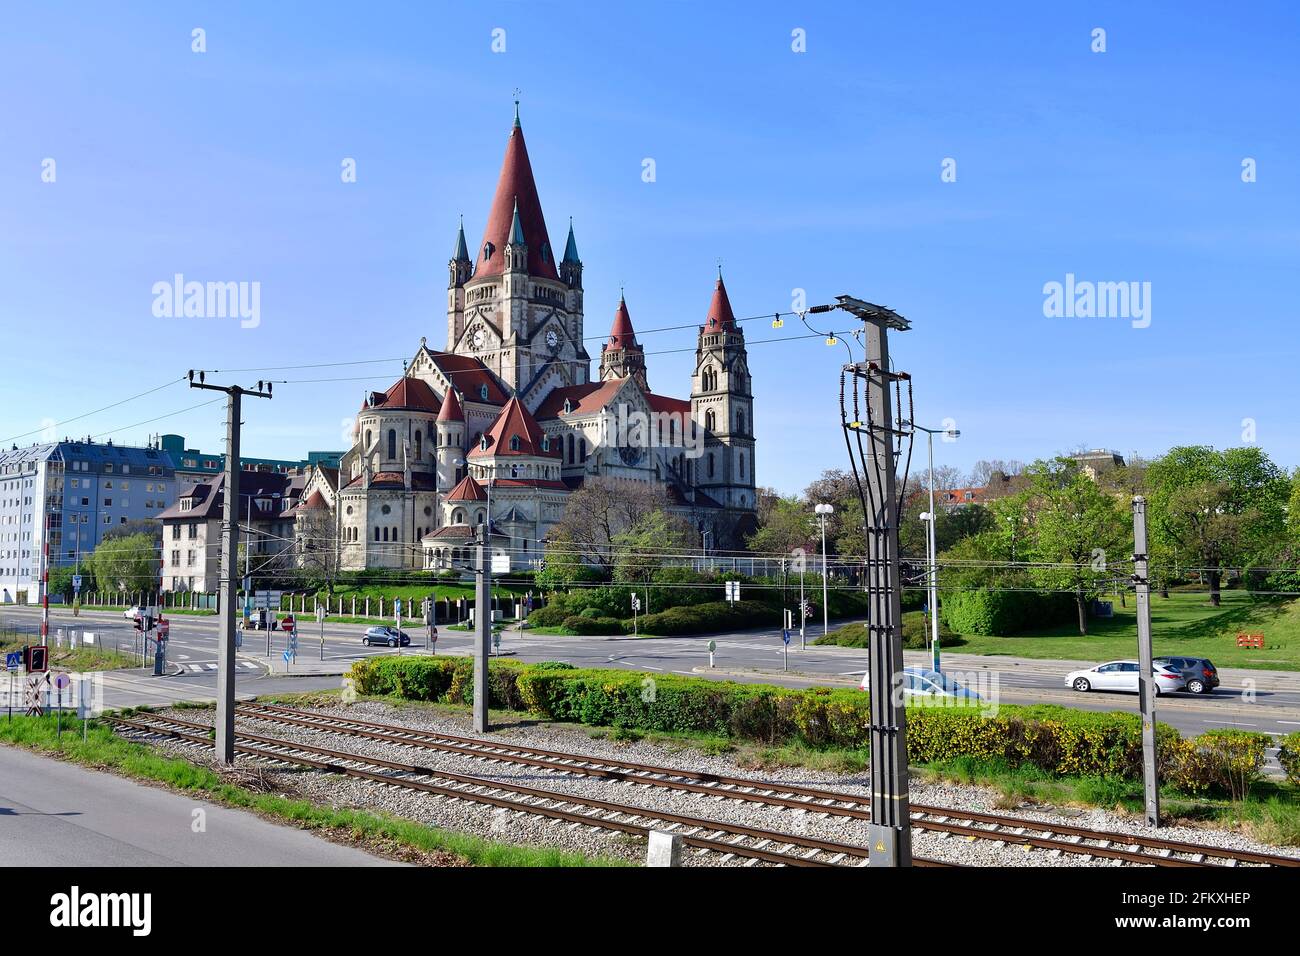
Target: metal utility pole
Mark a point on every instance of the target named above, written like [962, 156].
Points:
[482, 626]
[930, 547]
[875, 438]
[229, 587]
[823, 512]
[1146, 678]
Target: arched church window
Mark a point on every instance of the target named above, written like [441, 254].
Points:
[570, 444]
[742, 464]
[392, 443]
[710, 421]
[376, 532]
[582, 449]
[740, 422]
[367, 446]
[385, 534]
[419, 446]
[710, 464]
[483, 391]
[458, 517]
[514, 442]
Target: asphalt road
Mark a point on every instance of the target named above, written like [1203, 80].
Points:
[58, 814]
[1267, 701]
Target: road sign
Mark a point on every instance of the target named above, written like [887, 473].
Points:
[76, 582]
[397, 606]
[267, 599]
[32, 695]
[636, 603]
[288, 656]
[288, 625]
[500, 564]
[785, 636]
[733, 590]
[62, 680]
[164, 629]
[320, 613]
[13, 660]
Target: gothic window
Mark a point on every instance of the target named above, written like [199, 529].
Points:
[514, 442]
[742, 464]
[392, 443]
[482, 442]
[394, 534]
[385, 534]
[582, 449]
[710, 421]
[458, 517]
[367, 446]
[376, 532]
[419, 446]
[710, 464]
[570, 447]
[740, 422]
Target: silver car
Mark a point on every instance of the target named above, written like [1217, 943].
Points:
[1123, 676]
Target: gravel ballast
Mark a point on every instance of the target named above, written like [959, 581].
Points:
[527, 829]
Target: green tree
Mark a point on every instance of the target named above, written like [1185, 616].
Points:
[638, 551]
[129, 563]
[784, 524]
[1078, 529]
[1218, 508]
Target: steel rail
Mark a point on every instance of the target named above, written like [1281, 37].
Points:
[824, 801]
[152, 722]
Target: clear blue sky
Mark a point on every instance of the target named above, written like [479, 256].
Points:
[818, 171]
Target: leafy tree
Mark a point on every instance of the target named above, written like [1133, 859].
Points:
[599, 511]
[1077, 530]
[1218, 508]
[784, 525]
[638, 550]
[128, 563]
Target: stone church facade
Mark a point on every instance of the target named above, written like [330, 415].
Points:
[507, 420]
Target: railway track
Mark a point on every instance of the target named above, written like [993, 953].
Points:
[1050, 837]
[729, 840]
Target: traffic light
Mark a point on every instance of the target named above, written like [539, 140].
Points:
[36, 658]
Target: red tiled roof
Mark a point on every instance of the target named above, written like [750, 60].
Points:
[387, 478]
[583, 399]
[664, 403]
[529, 483]
[622, 336]
[515, 421]
[720, 314]
[315, 502]
[467, 490]
[516, 185]
[451, 410]
[411, 393]
[468, 375]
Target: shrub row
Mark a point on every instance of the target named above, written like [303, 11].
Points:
[1288, 756]
[981, 611]
[1056, 739]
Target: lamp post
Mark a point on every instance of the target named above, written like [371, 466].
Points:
[823, 511]
[930, 517]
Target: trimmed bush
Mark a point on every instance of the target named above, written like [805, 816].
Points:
[713, 616]
[1288, 755]
[586, 626]
[1226, 760]
[981, 611]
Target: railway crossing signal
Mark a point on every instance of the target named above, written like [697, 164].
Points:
[36, 658]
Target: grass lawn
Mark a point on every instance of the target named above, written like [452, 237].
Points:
[1183, 623]
[81, 659]
[379, 832]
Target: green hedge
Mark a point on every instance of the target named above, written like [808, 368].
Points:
[714, 616]
[1056, 739]
[993, 612]
[585, 624]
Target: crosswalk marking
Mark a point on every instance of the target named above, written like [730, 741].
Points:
[199, 668]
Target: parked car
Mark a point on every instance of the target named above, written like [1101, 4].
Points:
[1123, 676]
[385, 635]
[1200, 676]
[920, 682]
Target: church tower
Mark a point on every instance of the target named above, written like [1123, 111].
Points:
[722, 403]
[622, 356]
[517, 309]
[450, 429]
[461, 269]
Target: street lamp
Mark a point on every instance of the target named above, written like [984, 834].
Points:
[823, 511]
[950, 434]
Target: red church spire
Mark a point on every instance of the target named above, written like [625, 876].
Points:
[720, 314]
[516, 186]
[622, 336]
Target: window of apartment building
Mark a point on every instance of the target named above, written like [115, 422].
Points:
[108, 467]
[189, 558]
[108, 502]
[125, 502]
[176, 557]
[108, 485]
[176, 532]
[194, 531]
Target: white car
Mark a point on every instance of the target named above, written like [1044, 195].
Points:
[922, 682]
[132, 612]
[1123, 676]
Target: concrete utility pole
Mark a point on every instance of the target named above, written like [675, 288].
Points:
[931, 553]
[1146, 678]
[229, 587]
[823, 512]
[891, 825]
[482, 626]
